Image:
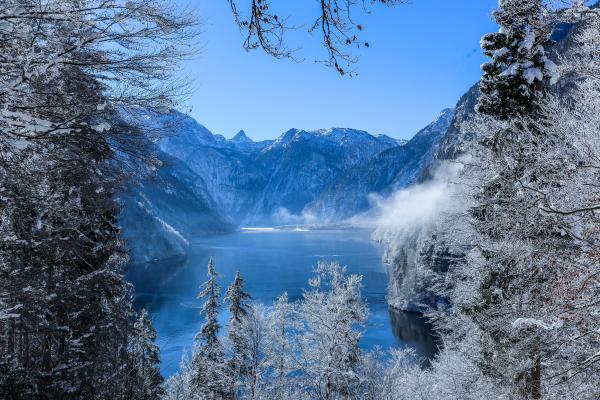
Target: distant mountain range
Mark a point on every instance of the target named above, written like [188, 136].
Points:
[210, 185]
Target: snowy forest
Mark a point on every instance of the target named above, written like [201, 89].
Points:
[511, 253]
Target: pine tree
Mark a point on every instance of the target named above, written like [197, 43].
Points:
[238, 312]
[520, 71]
[513, 88]
[210, 375]
[516, 258]
[146, 360]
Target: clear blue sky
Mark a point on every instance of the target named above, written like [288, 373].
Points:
[423, 57]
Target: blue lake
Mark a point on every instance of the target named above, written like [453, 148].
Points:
[271, 262]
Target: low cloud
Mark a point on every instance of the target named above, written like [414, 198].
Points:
[285, 216]
[411, 209]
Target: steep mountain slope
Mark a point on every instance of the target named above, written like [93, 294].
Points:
[160, 214]
[390, 170]
[233, 178]
[254, 181]
[306, 162]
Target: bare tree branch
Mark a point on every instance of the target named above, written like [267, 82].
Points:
[340, 33]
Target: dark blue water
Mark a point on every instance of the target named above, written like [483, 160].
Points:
[271, 262]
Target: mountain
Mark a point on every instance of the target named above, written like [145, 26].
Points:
[163, 212]
[305, 162]
[241, 137]
[392, 169]
[209, 185]
[244, 144]
[257, 181]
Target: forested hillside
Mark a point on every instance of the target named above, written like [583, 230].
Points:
[508, 263]
[67, 68]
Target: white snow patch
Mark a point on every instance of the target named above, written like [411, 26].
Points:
[529, 41]
[522, 323]
[102, 127]
[531, 74]
[172, 230]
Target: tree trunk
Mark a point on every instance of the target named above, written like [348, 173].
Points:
[536, 376]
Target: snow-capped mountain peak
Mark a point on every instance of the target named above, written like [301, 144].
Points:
[442, 121]
[241, 137]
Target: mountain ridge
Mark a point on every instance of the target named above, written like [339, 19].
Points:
[301, 176]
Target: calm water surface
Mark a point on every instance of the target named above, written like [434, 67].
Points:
[271, 262]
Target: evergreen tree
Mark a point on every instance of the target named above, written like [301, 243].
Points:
[519, 73]
[238, 311]
[210, 376]
[67, 68]
[146, 360]
[513, 88]
[516, 255]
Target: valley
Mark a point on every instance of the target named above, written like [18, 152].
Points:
[209, 185]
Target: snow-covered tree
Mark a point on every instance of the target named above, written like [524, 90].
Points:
[523, 296]
[210, 373]
[519, 73]
[513, 88]
[523, 321]
[237, 330]
[279, 350]
[146, 360]
[178, 386]
[256, 330]
[66, 69]
[333, 314]
[582, 60]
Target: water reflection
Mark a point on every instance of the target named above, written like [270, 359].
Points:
[415, 331]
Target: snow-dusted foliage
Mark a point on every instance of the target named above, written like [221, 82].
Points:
[303, 350]
[179, 386]
[524, 315]
[66, 324]
[278, 379]
[534, 230]
[526, 292]
[333, 314]
[146, 359]
[210, 374]
[520, 69]
[239, 342]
